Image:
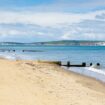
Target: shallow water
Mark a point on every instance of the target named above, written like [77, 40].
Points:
[74, 54]
[98, 74]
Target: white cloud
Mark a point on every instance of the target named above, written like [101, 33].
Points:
[85, 30]
[52, 25]
[45, 19]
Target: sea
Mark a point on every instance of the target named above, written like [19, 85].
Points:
[74, 54]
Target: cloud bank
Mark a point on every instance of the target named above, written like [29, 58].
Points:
[42, 26]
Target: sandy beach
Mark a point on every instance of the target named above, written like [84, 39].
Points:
[38, 83]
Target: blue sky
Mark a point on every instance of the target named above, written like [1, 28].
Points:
[23, 3]
[45, 20]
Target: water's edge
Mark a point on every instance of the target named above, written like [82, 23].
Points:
[97, 74]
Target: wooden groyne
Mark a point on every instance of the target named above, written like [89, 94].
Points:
[31, 51]
[9, 50]
[68, 64]
[12, 50]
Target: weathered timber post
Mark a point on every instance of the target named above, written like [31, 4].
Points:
[91, 64]
[68, 64]
[84, 64]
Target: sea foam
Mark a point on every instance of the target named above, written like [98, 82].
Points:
[98, 74]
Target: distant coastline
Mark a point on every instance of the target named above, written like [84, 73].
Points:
[60, 43]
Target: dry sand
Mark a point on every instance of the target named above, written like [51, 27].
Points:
[33, 83]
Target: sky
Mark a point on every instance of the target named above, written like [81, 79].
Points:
[47, 20]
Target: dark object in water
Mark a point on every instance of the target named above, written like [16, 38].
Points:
[68, 64]
[98, 64]
[91, 64]
[9, 50]
[75, 65]
[83, 64]
[31, 51]
[13, 50]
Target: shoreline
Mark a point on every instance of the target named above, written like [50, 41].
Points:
[72, 70]
[90, 72]
[31, 82]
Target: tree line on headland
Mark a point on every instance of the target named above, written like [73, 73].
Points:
[60, 43]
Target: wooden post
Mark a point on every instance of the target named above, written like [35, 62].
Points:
[68, 64]
[91, 64]
[83, 64]
[98, 64]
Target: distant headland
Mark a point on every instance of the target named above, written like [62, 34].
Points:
[60, 43]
